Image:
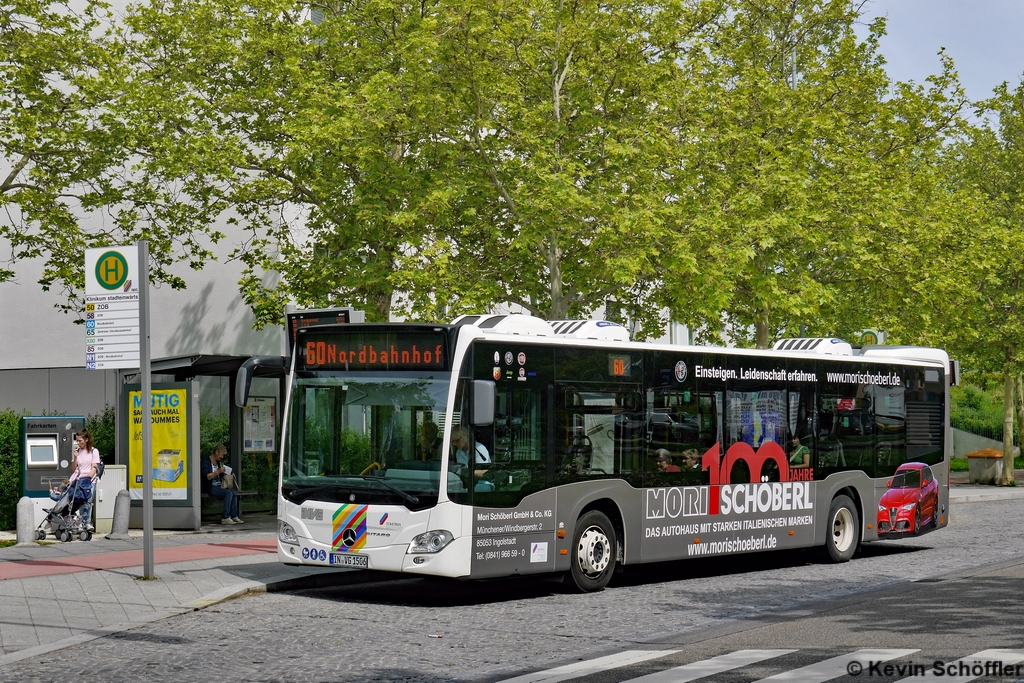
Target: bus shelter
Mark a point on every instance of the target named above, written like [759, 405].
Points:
[252, 434]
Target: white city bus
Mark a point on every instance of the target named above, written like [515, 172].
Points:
[508, 445]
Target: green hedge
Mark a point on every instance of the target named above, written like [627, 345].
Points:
[10, 467]
[214, 428]
[103, 427]
[104, 434]
[977, 407]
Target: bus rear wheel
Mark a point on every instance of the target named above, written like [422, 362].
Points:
[843, 535]
[593, 560]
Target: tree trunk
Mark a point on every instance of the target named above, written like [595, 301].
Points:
[1019, 401]
[559, 303]
[1008, 386]
[378, 302]
[382, 305]
[761, 338]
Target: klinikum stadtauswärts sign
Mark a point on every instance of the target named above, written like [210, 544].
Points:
[112, 308]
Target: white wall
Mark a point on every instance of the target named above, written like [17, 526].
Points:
[42, 351]
[207, 317]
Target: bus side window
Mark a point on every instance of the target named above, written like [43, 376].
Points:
[599, 432]
[674, 438]
[925, 418]
[459, 490]
[802, 416]
[890, 428]
[517, 448]
[846, 435]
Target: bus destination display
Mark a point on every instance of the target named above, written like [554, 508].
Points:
[391, 351]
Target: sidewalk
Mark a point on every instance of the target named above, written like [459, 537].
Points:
[56, 595]
[962, 491]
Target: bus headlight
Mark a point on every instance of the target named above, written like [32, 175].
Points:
[286, 534]
[430, 542]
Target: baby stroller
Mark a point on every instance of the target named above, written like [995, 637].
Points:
[63, 518]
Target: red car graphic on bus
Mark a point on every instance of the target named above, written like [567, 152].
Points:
[912, 498]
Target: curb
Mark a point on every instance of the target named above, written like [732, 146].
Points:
[986, 497]
[272, 584]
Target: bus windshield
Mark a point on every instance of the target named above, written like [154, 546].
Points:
[365, 439]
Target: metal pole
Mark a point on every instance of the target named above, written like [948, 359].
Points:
[147, 420]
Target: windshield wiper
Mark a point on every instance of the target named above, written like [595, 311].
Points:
[405, 496]
[308, 490]
[305, 490]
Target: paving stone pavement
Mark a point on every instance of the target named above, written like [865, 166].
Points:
[51, 611]
[44, 613]
[388, 631]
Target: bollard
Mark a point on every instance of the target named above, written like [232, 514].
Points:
[26, 522]
[119, 524]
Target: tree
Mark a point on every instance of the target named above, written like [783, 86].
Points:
[73, 173]
[805, 171]
[568, 113]
[552, 155]
[465, 154]
[324, 138]
[983, 319]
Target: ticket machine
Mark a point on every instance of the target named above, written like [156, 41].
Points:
[47, 457]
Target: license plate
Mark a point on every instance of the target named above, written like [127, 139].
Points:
[346, 560]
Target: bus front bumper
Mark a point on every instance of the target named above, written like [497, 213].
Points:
[452, 561]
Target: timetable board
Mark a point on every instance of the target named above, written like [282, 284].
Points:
[112, 308]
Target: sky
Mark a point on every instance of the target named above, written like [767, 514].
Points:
[984, 38]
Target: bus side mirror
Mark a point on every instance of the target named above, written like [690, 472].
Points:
[483, 403]
[243, 379]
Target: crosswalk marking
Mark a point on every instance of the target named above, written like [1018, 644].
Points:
[985, 663]
[562, 673]
[835, 667]
[710, 667]
[967, 664]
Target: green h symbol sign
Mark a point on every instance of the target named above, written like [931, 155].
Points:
[111, 270]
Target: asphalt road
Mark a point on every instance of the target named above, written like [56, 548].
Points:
[947, 595]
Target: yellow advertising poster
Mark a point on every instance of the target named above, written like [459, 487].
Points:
[170, 444]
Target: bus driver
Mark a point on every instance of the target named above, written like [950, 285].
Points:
[460, 454]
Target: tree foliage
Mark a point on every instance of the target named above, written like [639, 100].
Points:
[568, 113]
[982, 319]
[747, 166]
[807, 173]
[76, 164]
[324, 138]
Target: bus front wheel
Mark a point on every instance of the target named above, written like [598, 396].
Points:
[593, 561]
[843, 534]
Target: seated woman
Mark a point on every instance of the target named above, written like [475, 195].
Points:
[213, 485]
[664, 461]
[799, 455]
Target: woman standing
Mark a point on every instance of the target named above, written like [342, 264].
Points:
[213, 484]
[87, 459]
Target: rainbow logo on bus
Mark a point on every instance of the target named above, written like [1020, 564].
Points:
[349, 528]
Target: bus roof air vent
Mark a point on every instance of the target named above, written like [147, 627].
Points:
[590, 329]
[819, 346]
[514, 323]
